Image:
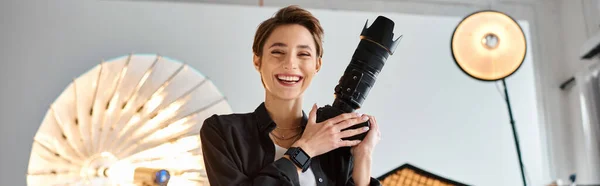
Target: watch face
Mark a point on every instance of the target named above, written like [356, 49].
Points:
[301, 158]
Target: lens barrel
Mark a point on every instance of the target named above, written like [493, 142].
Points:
[359, 77]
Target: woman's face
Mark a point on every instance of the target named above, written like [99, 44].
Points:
[289, 61]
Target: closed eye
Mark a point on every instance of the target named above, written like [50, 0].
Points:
[304, 54]
[276, 52]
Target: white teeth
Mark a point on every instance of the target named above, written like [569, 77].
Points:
[288, 78]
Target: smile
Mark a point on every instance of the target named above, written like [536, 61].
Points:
[288, 79]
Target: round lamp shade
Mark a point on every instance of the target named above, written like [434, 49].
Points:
[488, 45]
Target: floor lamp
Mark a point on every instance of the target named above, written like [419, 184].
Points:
[490, 46]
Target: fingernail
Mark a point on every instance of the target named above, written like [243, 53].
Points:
[365, 118]
[366, 128]
[358, 114]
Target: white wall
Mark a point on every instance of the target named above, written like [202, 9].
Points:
[425, 105]
[578, 13]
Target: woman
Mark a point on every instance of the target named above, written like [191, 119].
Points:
[278, 144]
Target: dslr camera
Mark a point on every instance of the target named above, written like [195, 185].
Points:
[376, 44]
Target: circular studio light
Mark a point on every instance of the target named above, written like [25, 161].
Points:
[488, 45]
[132, 120]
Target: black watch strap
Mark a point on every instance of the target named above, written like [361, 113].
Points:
[299, 157]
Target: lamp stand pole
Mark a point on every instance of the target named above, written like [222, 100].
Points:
[514, 130]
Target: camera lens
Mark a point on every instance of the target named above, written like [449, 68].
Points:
[375, 46]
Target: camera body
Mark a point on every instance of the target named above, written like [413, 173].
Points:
[328, 111]
[369, 57]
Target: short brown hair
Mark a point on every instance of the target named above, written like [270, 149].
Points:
[288, 15]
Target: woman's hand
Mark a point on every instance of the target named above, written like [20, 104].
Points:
[320, 138]
[361, 173]
[365, 148]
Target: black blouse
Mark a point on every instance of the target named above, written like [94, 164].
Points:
[237, 150]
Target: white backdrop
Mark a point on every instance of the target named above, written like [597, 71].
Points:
[431, 114]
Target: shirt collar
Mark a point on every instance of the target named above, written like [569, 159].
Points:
[266, 123]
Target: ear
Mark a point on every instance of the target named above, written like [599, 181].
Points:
[256, 61]
[319, 62]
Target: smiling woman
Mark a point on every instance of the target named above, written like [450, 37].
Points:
[289, 63]
[278, 144]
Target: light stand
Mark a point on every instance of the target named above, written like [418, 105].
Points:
[490, 46]
[514, 130]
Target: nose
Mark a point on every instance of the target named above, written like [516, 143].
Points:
[290, 62]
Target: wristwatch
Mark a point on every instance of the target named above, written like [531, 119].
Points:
[299, 157]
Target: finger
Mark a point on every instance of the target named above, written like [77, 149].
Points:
[351, 122]
[352, 132]
[375, 128]
[312, 115]
[348, 143]
[373, 122]
[344, 116]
